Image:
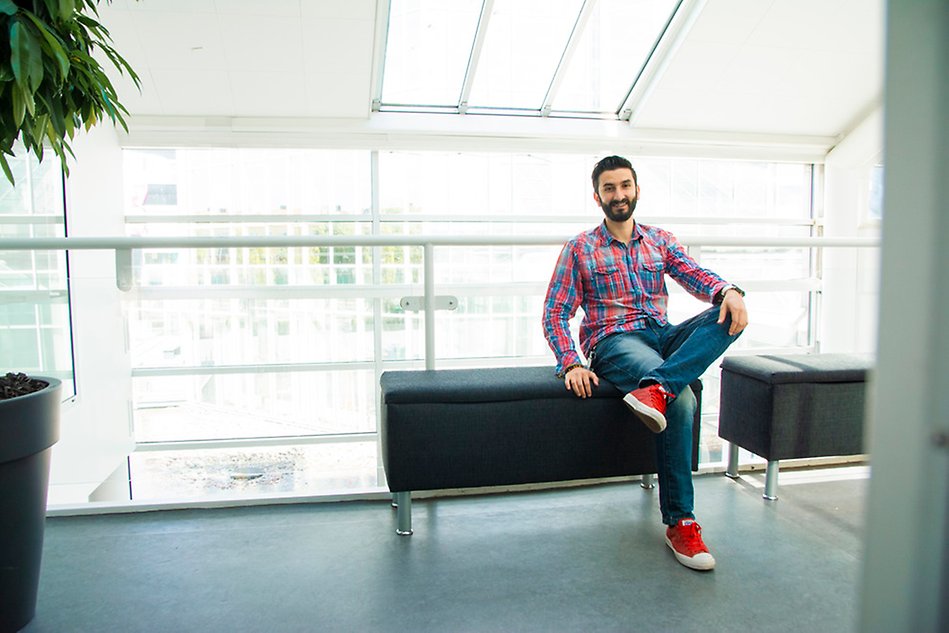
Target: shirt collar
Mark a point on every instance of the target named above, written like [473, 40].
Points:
[604, 236]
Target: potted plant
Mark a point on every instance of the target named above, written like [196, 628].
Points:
[51, 86]
[29, 426]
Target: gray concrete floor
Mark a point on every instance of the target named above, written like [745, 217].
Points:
[578, 559]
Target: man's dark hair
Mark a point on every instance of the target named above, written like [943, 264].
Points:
[609, 164]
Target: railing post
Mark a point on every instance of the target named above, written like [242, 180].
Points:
[429, 298]
[123, 269]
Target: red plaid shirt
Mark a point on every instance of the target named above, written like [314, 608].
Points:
[620, 287]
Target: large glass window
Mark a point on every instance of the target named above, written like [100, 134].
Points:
[533, 57]
[525, 40]
[618, 39]
[284, 346]
[35, 333]
[427, 50]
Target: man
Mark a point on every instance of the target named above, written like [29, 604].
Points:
[615, 272]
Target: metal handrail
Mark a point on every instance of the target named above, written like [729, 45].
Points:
[123, 247]
[276, 241]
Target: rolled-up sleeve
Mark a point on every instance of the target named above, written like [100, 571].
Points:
[564, 296]
[699, 282]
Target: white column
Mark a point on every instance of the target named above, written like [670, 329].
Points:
[848, 320]
[96, 435]
[905, 575]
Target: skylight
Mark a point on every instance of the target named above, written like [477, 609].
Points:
[577, 58]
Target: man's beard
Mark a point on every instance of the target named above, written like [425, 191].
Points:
[619, 216]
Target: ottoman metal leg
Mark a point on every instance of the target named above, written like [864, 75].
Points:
[647, 482]
[403, 503]
[732, 470]
[771, 481]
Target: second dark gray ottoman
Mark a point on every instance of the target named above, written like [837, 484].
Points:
[791, 407]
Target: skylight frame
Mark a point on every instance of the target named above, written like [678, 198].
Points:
[683, 14]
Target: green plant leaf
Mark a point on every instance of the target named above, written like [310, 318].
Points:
[6, 169]
[50, 85]
[54, 109]
[121, 64]
[19, 106]
[53, 45]
[26, 56]
[66, 9]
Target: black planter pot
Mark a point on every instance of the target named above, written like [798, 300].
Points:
[29, 426]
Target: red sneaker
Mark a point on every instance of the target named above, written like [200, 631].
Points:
[685, 540]
[649, 405]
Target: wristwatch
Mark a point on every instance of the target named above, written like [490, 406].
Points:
[720, 295]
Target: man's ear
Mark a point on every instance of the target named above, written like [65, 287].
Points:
[596, 197]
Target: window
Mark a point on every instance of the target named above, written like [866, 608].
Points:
[35, 332]
[530, 57]
[281, 347]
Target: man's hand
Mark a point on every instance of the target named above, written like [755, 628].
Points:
[734, 304]
[579, 379]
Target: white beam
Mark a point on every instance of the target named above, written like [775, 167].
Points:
[380, 39]
[670, 41]
[578, 28]
[476, 48]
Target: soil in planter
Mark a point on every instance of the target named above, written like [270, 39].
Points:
[14, 385]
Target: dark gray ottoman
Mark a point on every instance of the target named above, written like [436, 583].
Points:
[462, 428]
[791, 407]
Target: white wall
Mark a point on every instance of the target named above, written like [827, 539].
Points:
[906, 565]
[96, 435]
[850, 294]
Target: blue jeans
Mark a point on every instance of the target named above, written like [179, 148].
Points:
[673, 356]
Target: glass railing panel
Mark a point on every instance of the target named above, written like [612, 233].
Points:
[35, 330]
[255, 471]
[228, 330]
[489, 325]
[253, 404]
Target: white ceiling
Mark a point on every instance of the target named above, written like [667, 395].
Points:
[245, 58]
[783, 66]
[777, 67]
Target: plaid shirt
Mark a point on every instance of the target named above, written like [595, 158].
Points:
[620, 287]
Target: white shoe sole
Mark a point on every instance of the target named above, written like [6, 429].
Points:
[700, 562]
[654, 421]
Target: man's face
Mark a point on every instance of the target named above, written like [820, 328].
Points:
[617, 194]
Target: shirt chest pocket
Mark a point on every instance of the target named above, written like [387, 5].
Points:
[609, 283]
[650, 275]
